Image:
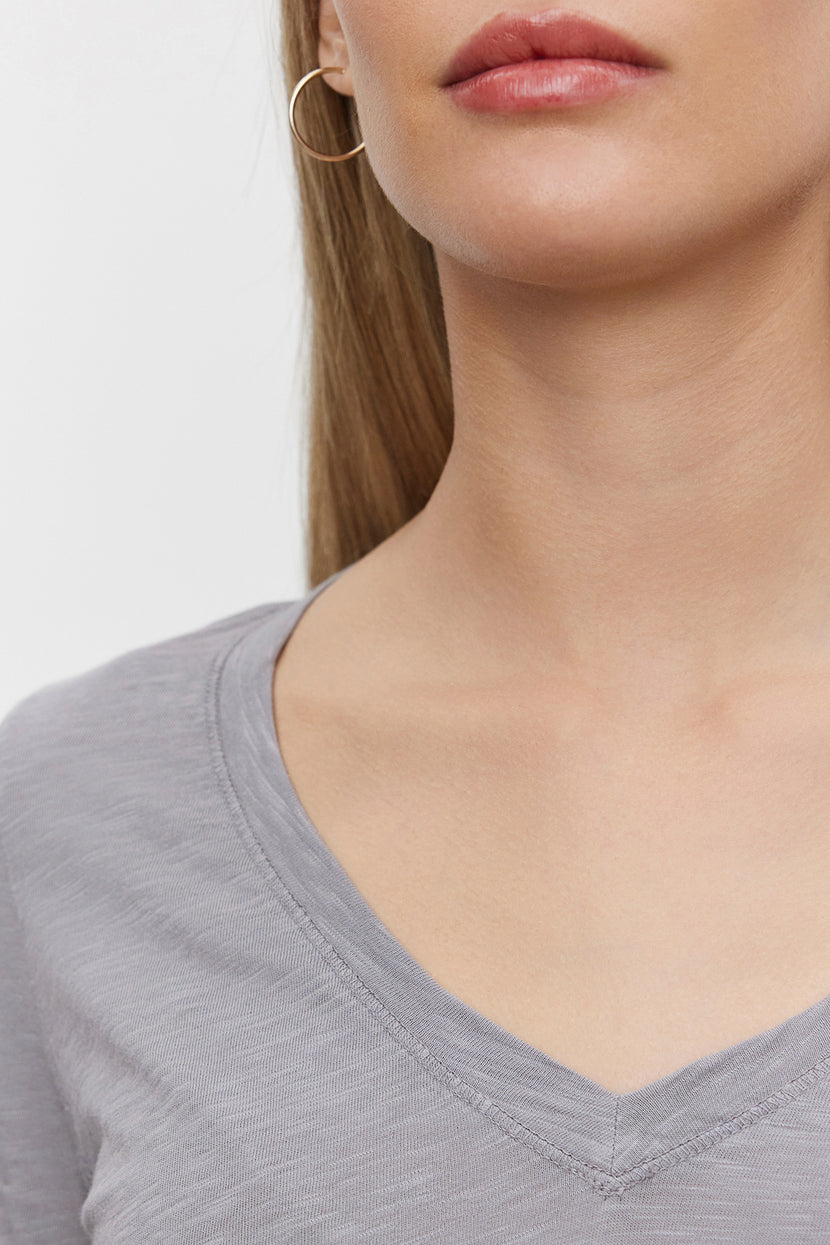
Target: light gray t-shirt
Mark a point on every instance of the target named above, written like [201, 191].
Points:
[207, 1035]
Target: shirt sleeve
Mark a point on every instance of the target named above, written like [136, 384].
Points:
[41, 1189]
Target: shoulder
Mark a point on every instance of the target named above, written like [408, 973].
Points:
[117, 691]
[81, 745]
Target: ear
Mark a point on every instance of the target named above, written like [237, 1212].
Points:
[332, 49]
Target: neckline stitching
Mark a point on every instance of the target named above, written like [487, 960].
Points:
[727, 1128]
[597, 1178]
[302, 919]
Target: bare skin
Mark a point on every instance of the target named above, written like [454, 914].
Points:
[568, 730]
[627, 892]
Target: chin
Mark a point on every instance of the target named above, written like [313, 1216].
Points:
[545, 250]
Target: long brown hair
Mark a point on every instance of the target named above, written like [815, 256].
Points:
[379, 400]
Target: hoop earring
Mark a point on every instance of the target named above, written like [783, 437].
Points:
[318, 155]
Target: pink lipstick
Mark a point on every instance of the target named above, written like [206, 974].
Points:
[521, 61]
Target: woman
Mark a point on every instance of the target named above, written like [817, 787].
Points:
[480, 894]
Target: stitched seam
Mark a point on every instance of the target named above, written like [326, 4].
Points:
[719, 1132]
[614, 1137]
[603, 1181]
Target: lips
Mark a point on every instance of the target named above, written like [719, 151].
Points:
[511, 38]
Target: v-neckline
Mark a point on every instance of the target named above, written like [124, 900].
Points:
[611, 1139]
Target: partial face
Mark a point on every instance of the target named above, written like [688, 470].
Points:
[732, 133]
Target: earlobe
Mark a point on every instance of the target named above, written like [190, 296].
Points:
[333, 50]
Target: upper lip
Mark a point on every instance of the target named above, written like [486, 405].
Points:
[554, 34]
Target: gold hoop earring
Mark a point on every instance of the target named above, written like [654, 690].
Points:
[318, 155]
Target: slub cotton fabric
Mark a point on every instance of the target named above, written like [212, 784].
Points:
[207, 1035]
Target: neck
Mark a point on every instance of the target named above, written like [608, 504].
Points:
[639, 479]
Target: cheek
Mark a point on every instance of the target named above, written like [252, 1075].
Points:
[770, 107]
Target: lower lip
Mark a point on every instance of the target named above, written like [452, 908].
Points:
[534, 84]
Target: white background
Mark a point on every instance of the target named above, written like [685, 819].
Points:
[151, 328]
